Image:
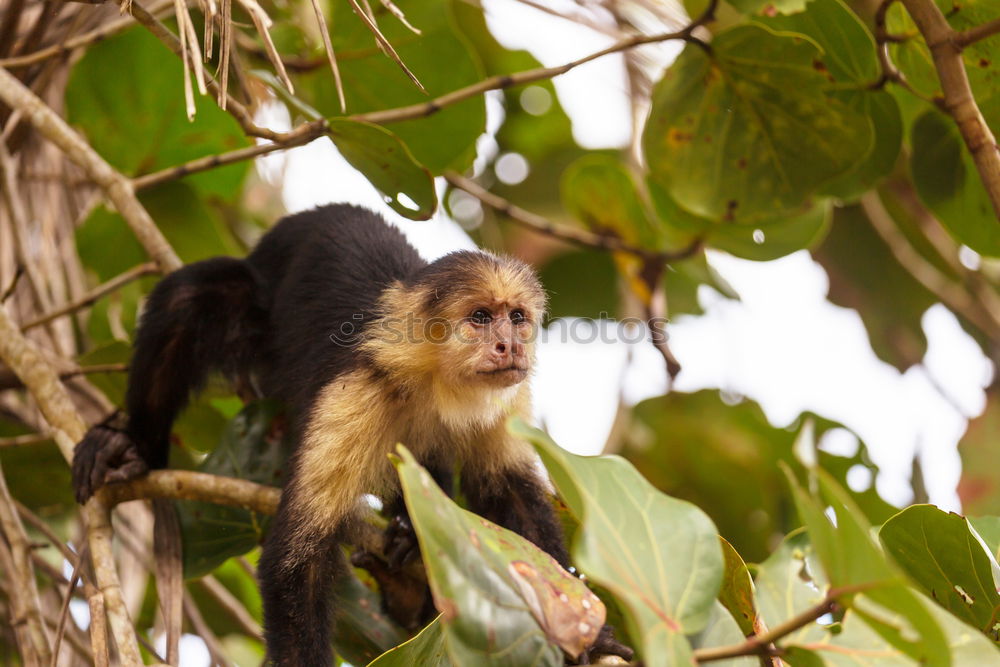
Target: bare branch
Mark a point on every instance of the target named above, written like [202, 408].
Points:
[330, 54]
[303, 134]
[118, 188]
[21, 577]
[190, 485]
[384, 44]
[958, 99]
[38, 376]
[93, 295]
[573, 235]
[952, 294]
[74, 579]
[518, 78]
[980, 32]
[24, 440]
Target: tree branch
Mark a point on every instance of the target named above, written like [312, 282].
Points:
[115, 185]
[31, 367]
[574, 235]
[86, 39]
[958, 100]
[190, 485]
[980, 32]
[93, 295]
[763, 644]
[24, 594]
[952, 294]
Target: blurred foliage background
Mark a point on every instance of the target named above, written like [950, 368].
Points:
[826, 126]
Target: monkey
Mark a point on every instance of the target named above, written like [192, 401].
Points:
[367, 344]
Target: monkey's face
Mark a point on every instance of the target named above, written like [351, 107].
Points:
[500, 341]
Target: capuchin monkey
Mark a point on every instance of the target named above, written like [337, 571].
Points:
[368, 345]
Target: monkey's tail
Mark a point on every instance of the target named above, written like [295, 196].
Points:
[208, 316]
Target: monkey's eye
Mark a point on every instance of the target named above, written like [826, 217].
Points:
[517, 316]
[481, 316]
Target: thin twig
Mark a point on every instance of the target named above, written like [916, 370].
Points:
[232, 605]
[297, 137]
[263, 23]
[201, 627]
[330, 54]
[118, 188]
[574, 235]
[86, 39]
[504, 81]
[24, 588]
[958, 100]
[952, 294]
[978, 33]
[24, 440]
[101, 290]
[10, 380]
[30, 365]
[190, 485]
[74, 579]
[384, 43]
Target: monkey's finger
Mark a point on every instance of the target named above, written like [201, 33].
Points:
[366, 560]
[126, 472]
[402, 551]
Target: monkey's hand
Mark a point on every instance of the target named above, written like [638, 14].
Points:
[400, 546]
[606, 645]
[406, 597]
[106, 454]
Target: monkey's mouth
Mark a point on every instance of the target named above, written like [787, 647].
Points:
[506, 372]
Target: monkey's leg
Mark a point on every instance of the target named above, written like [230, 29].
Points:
[201, 318]
[296, 572]
[518, 500]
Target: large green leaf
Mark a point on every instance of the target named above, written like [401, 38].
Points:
[948, 183]
[853, 563]
[503, 600]
[657, 555]
[252, 448]
[372, 81]
[388, 164]
[693, 445]
[361, 629]
[748, 129]
[427, 649]
[947, 559]
[127, 96]
[784, 590]
[722, 630]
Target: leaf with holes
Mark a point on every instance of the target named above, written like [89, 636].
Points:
[948, 560]
[503, 600]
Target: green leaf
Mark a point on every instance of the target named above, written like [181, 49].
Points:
[783, 590]
[601, 193]
[882, 109]
[948, 561]
[503, 600]
[737, 592]
[252, 448]
[388, 164]
[947, 181]
[438, 57]
[852, 562]
[988, 528]
[772, 239]
[657, 555]
[581, 283]
[427, 649]
[127, 95]
[848, 49]
[361, 630]
[749, 129]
